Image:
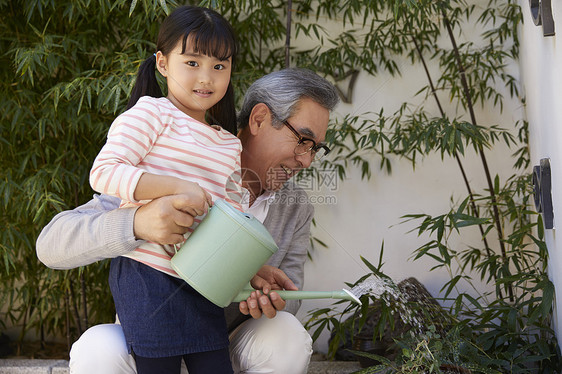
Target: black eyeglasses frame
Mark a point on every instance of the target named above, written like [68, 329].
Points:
[301, 139]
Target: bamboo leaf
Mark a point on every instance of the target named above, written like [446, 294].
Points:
[132, 8]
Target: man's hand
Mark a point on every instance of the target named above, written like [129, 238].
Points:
[267, 301]
[164, 220]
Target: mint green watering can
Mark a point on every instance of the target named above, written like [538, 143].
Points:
[226, 250]
[223, 253]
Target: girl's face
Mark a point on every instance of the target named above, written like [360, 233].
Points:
[196, 81]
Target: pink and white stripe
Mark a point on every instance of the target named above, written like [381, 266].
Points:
[156, 137]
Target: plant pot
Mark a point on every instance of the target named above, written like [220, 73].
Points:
[365, 343]
[454, 369]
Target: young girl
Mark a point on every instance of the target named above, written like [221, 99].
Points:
[180, 144]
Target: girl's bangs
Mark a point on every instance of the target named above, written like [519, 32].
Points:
[211, 42]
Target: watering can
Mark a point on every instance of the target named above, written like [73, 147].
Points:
[223, 253]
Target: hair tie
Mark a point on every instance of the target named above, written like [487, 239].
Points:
[154, 54]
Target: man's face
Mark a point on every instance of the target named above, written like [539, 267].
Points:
[270, 153]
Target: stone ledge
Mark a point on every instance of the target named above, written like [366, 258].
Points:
[26, 366]
[333, 367]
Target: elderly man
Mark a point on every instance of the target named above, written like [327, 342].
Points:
[282, 126]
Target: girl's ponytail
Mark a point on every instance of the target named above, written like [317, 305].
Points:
[223, 113]
[146, 83]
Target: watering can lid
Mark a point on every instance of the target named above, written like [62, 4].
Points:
[250, 223]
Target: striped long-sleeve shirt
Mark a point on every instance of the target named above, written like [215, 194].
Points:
[156, 137]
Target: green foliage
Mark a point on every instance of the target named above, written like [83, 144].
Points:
[68, 68]
[474, 334]
[430, 352]
[511, 321]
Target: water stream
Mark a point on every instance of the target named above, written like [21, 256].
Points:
[388, 292]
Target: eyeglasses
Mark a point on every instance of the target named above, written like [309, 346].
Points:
[306, 145]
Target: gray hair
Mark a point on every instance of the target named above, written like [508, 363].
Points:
[282, 90]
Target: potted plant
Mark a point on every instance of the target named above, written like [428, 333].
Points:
[424, 337]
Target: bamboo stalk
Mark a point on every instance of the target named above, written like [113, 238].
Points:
[461, 167]
[288, 34]
[67, 313]
[75, 315]
[84, 300]
[470, 108]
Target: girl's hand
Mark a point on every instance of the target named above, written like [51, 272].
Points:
[199, 199]
[163, 220]
[152, 186]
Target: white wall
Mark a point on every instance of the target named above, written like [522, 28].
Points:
[366, 213]
[541, 74]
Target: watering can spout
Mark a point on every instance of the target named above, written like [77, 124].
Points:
[301, 295]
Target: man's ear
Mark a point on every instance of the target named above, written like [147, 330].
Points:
[162, 63]
[259, 117]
